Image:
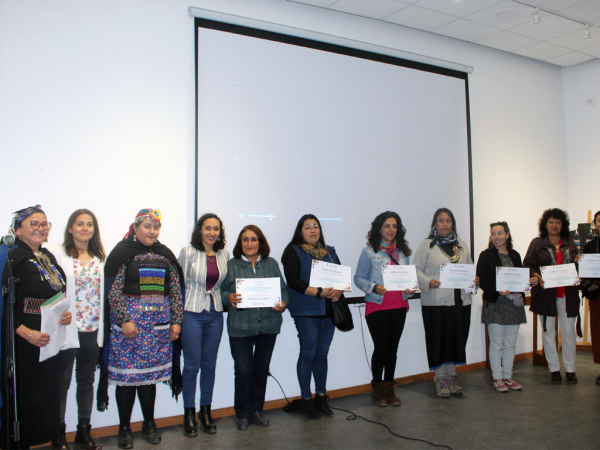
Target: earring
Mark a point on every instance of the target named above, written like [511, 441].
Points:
[134, 238]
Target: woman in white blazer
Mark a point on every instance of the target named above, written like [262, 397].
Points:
[204, 265]
[82, 257]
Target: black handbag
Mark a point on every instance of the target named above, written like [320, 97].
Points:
[342, 317]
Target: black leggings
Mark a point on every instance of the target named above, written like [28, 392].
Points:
[126, 398]
[386, 329]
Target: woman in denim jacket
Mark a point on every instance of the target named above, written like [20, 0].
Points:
[385, 311]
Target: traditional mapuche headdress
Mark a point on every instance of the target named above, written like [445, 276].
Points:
[142, 215]
[22, 214]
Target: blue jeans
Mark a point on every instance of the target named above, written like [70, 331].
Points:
[252, 356]
[315, 336]
[200, 338]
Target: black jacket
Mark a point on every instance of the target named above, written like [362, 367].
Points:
[486, 271]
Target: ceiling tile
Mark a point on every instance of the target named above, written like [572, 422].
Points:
[556, 5]
[419, 18]
[322, 3]
[460, 8]
[576, 41]
[493, 16]
[570, 59]
[377, 9]
[588, 11]
[507, 41]
[465, 30]
[594, 51]
[542, 51]
[550, 27]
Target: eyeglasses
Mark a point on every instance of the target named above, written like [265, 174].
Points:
[43, 225]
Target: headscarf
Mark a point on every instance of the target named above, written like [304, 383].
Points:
[22, 214]
[142, 215]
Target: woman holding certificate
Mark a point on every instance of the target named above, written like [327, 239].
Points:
[252, 331]
[311, 309]
[503, 311]
[385, 310]
[446, 312]
[205, 267]
[591, 289]
[554, 247]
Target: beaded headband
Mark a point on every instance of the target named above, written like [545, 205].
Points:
[142, 215]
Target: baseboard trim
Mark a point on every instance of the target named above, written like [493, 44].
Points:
[113, 430]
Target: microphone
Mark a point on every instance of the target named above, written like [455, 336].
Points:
[9, 240]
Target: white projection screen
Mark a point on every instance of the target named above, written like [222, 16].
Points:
[288, 126]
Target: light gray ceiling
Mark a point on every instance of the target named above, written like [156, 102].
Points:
[501, 24]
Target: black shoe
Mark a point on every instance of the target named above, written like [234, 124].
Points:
[242, 424]
[260, 420]
[598, 380]
[150, 433]
[571, 378]
[322, 405]
[190, 426]
[309, 409]
[83, 438]
[60, 442]
[555, 377]
[125, 437]
[206, 422]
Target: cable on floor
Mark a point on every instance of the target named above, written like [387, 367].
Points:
[294, 407]
[362, 332]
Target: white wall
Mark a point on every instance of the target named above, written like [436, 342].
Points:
[97, 111]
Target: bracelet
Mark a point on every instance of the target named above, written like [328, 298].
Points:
[30, 334]
[319, 291]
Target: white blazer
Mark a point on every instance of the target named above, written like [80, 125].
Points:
[66, 262]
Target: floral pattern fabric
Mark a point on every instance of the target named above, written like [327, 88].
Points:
[87, 295]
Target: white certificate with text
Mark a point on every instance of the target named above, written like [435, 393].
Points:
[399, 278]
[589, 265]
[513, 279]
[457, 276]
[560, 275]
[324, 275]
[258, 292]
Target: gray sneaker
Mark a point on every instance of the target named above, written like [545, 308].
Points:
[441, 386]
[454, 388]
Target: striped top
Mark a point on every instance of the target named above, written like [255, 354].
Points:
[193, 263]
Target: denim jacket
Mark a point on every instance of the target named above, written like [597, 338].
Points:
[368, 272]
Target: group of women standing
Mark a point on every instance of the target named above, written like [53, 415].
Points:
[153, 298]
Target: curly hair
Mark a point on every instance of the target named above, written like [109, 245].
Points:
[374, 234]
[263, 246]
[509, 243]
[555, 213]
[437, 214]
[196, 240]
[596, 216]
[95, 247]
[297, 239]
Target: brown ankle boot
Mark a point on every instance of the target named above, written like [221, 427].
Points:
[84, 438]
[388, 392]
[377, 394]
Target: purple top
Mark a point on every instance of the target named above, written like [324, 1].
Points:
[212, 273]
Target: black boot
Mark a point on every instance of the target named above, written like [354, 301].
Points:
[84, 438]
[190, 427]
[60, 442]
[206, 422]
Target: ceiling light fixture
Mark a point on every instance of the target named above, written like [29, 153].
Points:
[587, 33]
[536, 16]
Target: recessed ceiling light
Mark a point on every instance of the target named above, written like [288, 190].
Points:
[507, 15]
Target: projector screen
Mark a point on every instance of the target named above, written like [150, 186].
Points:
[288, 126]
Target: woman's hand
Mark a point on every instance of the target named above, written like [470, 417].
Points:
[533, 281]
[65, 318]
[34, 337]
[477, 281]
[175, 332]
[577, 258]
[280, 307]
[380, 290]
[540, 279]
[234, 299]
[434, 284]
[408, 291]
[327, 293]
[335, 296]
[129, 330]
[504, 292]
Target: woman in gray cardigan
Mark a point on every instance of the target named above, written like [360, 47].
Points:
[252, 331]
[446, 312]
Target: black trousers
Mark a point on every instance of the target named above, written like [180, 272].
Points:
[386, 329]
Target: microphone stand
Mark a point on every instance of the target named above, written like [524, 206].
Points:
[11, 369]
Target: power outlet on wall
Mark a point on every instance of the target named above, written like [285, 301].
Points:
[590, 102]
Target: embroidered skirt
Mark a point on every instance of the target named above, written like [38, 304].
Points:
[147, 358]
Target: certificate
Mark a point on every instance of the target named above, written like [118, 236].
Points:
[51, 311]
[399, 278]
[513, 279]
[560, 275]
[324, 275]
[457, 276]
[258, 292]
[589, 265]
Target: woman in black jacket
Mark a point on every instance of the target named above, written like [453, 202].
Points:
[503, 312]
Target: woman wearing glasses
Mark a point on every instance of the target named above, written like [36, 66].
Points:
[41, 278]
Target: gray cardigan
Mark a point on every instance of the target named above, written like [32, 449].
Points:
[427, 261]
[252, 321]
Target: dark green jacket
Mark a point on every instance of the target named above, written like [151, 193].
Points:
[252, 321]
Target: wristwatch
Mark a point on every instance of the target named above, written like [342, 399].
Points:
[319, 291]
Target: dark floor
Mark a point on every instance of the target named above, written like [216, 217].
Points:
[541, 416]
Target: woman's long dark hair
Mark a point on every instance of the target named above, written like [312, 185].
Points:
[374, 235]
[197, 233]
[555, 213]
[437, 214]
[297, 239]
[509, 243]
[95, 247]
